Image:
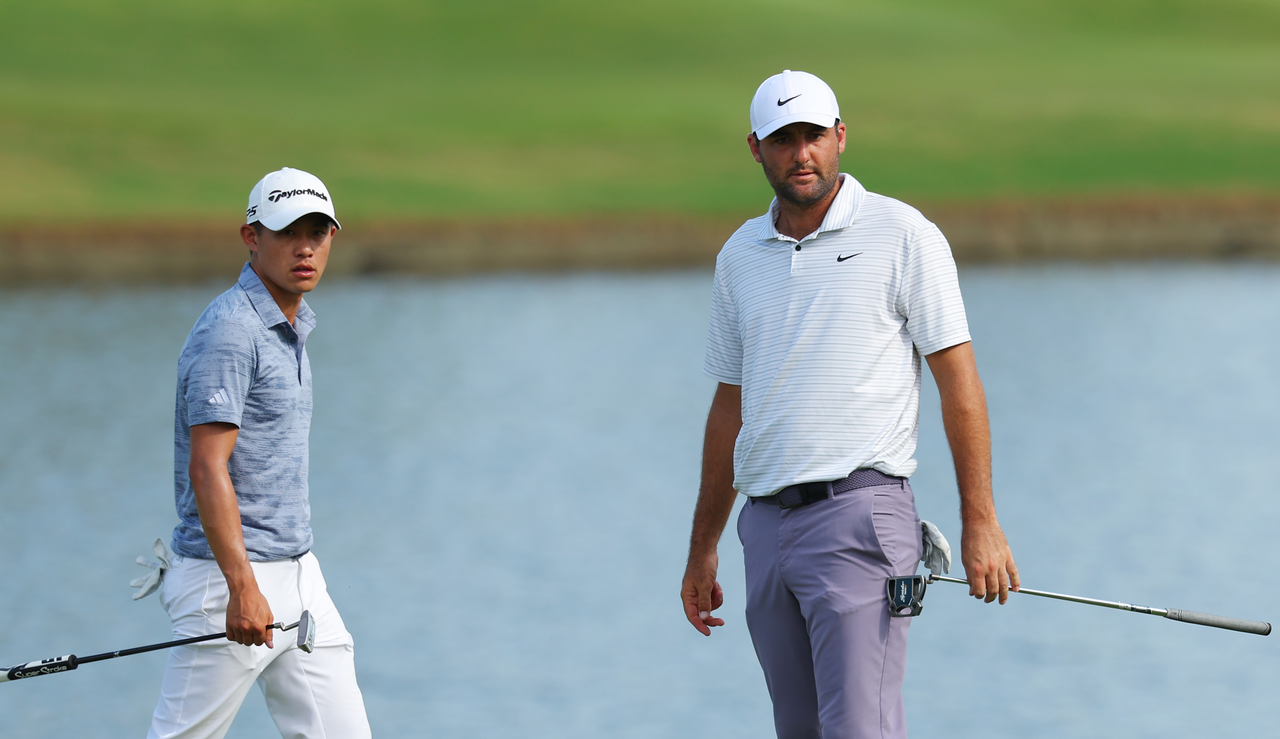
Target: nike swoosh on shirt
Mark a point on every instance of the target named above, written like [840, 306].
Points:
[782, 102]
[851, 256]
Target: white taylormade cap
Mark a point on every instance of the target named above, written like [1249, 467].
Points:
[791, 97]
[284, 196]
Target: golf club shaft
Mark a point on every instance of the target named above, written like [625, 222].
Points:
[71, 662]
[1260, 628]
[148, 648]
[165, 645]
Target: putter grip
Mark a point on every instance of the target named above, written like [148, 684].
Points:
[40, 667]
[1221, 622]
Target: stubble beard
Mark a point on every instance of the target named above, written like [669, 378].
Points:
[826, 180]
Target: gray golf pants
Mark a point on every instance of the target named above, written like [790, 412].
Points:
[818, 611]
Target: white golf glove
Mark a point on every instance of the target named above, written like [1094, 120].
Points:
[937, 552]
[150, 582]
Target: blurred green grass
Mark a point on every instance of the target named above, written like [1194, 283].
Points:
[164, 110]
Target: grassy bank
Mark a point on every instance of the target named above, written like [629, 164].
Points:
[144, 110]
[1105, 229]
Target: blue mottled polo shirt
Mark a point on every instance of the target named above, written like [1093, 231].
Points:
[245, 364]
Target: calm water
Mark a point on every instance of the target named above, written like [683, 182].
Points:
[504, 470]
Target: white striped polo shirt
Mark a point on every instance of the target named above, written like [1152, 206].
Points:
[825, 336]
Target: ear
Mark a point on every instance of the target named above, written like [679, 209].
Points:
[754, 143]
[840, 133]
[250, 237]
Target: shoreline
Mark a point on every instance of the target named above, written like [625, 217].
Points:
[1116, 229]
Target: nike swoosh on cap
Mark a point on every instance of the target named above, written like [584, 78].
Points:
[782, 102]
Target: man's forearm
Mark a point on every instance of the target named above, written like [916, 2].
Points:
[248, 613]
[709, 520]
[983, 548]
[969, 436]
[964, 417]
[716, 494]
[220, 519]
[700, 592]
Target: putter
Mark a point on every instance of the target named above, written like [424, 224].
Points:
[306, 642]
[906, 596]
[1260, 628]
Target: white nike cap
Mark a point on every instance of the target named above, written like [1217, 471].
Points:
[286, 195]
[792, 97]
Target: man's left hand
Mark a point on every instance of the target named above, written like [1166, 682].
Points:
[988, 562]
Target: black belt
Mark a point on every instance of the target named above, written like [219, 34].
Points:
[794, 496]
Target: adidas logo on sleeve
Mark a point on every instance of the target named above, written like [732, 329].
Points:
[220, 398]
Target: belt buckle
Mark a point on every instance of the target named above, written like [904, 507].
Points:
[794, 496]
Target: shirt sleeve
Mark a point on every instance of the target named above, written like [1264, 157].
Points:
[929, 297]
[219, 373]
[724, 339]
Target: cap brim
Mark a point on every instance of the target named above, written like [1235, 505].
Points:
[277, 221]
[826, 121]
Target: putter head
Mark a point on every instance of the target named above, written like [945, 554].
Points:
[906, 595]
[306, 632]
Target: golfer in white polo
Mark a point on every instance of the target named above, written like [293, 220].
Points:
[821, 310]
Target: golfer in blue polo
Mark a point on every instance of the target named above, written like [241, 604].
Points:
[242, 548]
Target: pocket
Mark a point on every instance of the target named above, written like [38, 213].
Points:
[169, 584]
[893, 517]
[182, 589]
[190, 593]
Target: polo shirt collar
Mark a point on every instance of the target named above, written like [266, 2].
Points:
[266, 307]
[840, 215]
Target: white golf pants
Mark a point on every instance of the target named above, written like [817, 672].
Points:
[309, 695]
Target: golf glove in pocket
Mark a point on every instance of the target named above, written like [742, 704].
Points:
[937, 552]
[150, 582]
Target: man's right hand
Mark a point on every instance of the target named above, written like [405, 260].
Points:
[249, 617]
[701, 593]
